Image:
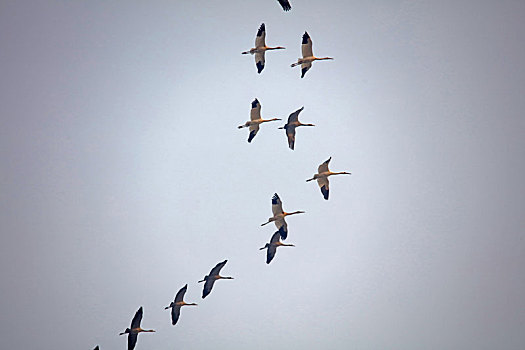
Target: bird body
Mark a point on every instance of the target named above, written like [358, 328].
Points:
[135, 329]
[255, 120]
[278, 216]
[260, 48]
[289, 127]
[308, 55]
[212, 277]
[322, 177]
[272, 246]
[176, 304]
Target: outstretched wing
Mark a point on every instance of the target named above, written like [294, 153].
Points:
[305, 67]
[306, 46]
[324, 186]
[253, 131]
[259, 61]
[132, 340]
[217, 269]
[180, 294]
[255, 112]
[290, 133]
[175, 313]
[261, 36]
[275, 237]
[283, 228]
[285, 4]
[270, 253]
[135, 323]
[324, 167]
[277, 205]
[207, 287]
[294, 117]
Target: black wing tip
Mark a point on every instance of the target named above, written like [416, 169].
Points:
[325, 192]
[252, 136]
[305, 37]
[255, 103]
[275, 198]
[303, 71]
[283, 233]
[260, 67]
[261, 30]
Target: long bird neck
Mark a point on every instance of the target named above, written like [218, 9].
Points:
[274, 48]
[340, 173]
[295, 212]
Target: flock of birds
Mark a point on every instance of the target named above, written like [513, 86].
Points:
[279, 214]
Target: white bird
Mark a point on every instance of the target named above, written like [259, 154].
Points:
[308, 55]
[260, 48]
[272, 246]
[289, 127]
[322, 177]
[278, 216]
[177, 304]
[135, 329]
[212, 277]
[255, 120]
[285, 5]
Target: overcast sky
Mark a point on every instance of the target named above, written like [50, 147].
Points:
[123, 175]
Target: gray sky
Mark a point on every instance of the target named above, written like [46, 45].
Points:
[124, 176]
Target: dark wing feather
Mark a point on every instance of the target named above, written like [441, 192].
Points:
[207, 287]
[272, 249]
[180, 294]
[135, 323]
[175, 313]
[252, 135]
[283, 231]
[260, 66]
[290, 133]
[261, 30]
[325, 192]
[132, 340]
[215, 271]
[304, 70]
[285, 4]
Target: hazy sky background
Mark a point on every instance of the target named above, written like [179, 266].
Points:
[124, 176]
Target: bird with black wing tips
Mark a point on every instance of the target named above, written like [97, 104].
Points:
[272, 246]
[322, 177]
[260, 48]
[135, 329]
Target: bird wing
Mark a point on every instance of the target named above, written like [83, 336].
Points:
[135, 323]
[285, 4]
[207, 287]
[306, 46]
[175, 313]
[180, 294]
[305, 67]
[294, 117]
[277, 205]
[254, 128]
[132, 340]
[261, 35]
[283, 228]
[324, 186]
[275, 237]
[324, 167]
[259, 61]
[290, 133]
[215, 271]
[255, 112]
[96, 348]
[270, 253]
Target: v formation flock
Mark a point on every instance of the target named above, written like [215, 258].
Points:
[278, 213]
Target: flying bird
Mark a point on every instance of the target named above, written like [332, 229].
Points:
[177, 304]
[255, 120]
[279, 215]
[308, 55]
[212, 277]
[272, 246]
[322, 177]
[289, 127]
[135, 329]
[285, 5]
[260, 48]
